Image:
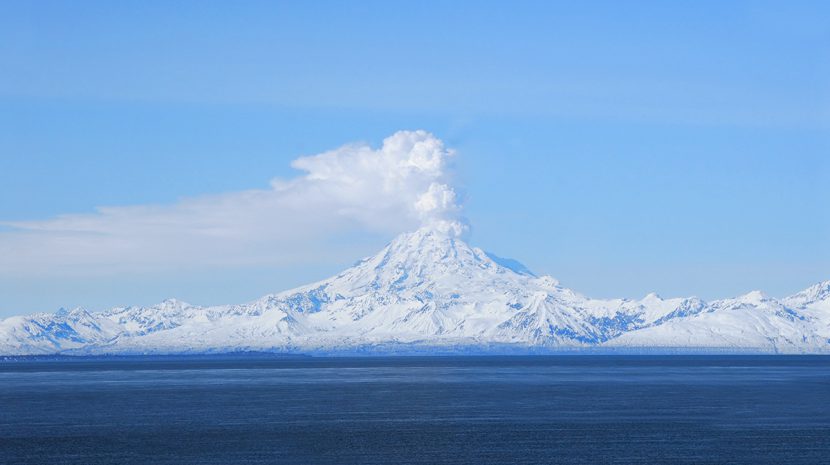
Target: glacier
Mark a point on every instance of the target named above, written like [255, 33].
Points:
[429, 290]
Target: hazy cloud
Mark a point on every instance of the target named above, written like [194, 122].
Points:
[394, 188]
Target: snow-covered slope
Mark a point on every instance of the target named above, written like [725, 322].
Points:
[430, 289]
[749, 321]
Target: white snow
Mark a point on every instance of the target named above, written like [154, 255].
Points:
[431, 289]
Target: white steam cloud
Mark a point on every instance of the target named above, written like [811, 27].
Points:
[400, 186]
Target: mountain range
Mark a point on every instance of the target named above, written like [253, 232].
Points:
[430, 291]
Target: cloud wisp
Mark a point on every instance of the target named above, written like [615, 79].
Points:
[399, 186]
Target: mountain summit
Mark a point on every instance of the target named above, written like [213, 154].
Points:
[430, 290]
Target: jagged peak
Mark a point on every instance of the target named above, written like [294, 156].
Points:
[815, 293]
[173, 303]
[166, 304]
[75, 313]
[753, 297]
[819, 290]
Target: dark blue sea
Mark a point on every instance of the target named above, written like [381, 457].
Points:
[417, 410]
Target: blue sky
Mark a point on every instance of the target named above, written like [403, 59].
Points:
[622, 147]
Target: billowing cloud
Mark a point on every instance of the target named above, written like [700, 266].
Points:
[399, 186]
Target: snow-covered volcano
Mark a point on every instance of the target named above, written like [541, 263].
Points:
[430, 289]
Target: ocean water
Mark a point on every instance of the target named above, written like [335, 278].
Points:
[417, 410]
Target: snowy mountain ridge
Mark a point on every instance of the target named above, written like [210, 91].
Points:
[430, 289]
